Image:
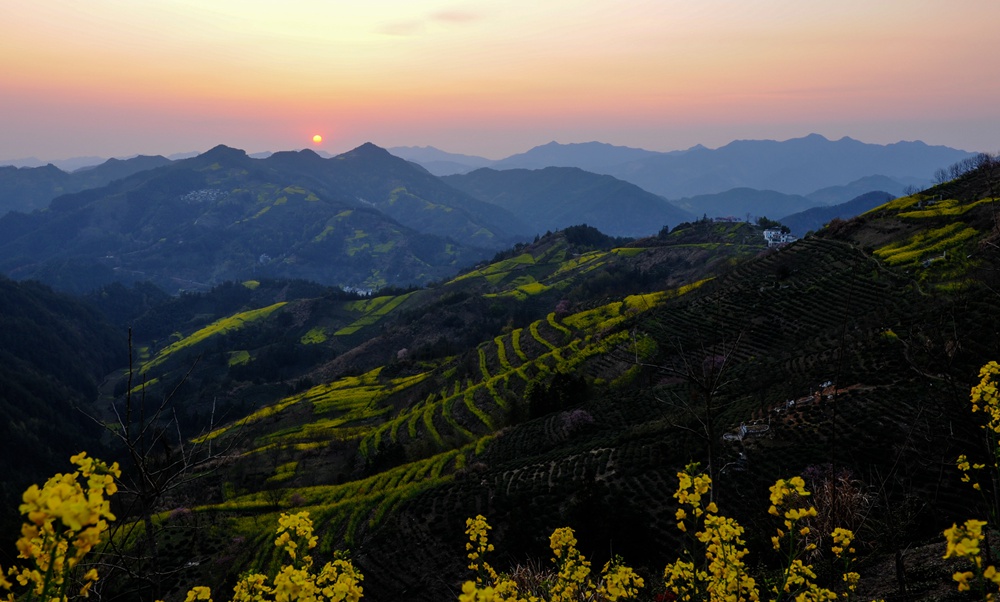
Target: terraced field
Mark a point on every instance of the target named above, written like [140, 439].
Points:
[464, 443]
[849, 350]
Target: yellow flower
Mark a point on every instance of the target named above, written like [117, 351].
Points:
[963, 463]
[963, 577]
[619, 581]
[471, 593]
[199, 593]
[477, 530]
[964, 540]
[992, 574]
[842, 539]
[984, 395]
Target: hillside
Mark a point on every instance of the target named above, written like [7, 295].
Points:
[816, 217]
[294, 332]
[557, 197]
[589, 410]
[224, 216]
[255, 347]
[45, 383]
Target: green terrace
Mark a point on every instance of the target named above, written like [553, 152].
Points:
[372, 311]
[222, 326]
[943, 235]
[449, 424]
[553, 267]
[461, 411]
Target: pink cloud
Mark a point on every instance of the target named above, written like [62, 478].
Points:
[455, 16]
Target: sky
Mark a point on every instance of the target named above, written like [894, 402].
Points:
[490, 78]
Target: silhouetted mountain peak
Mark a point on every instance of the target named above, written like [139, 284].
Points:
[309, 153]
[223, 152]
[368, 151]
[49, 168]
[304, 158]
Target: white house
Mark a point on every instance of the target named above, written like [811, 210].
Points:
[775, 237]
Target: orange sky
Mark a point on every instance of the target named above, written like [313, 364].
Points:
[120, 77]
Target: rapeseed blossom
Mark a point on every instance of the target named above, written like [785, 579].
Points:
[337, 581]
[717, 570]
[66, 518]
[478, 545]
[620, 582]
[573, 567]
[965, 541]
[572, 580]
[723, 575]
[984, 395]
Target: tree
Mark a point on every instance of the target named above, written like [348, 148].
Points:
[160, 459]
[764, 222]
[705, 369]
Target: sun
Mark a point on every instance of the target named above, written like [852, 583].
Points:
[317, 139]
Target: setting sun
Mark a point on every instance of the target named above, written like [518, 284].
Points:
[317, 139]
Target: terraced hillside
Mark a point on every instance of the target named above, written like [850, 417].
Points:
[412, 433]
[338, 389]
[245, 345]
[536, 391]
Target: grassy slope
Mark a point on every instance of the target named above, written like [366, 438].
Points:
[417, 419]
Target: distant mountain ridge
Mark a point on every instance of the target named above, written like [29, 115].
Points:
[743, 202]
[797, 166]
[554, 198]
[439, 162]
[30, 188]
[67, 165]
[835, 195]
[374, 177]
[591, 156]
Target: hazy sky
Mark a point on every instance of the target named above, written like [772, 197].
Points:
[121, 77]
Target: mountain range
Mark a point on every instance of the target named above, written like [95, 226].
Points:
[797, 166]
[368, 219]
[565, 381]
[27, 189]
[222, 215]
